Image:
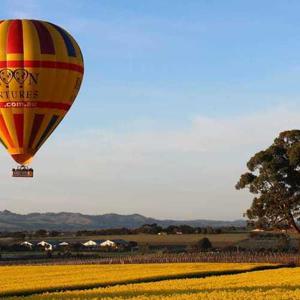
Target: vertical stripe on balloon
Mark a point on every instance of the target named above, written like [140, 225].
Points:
[1, 141]
[37, 122]
[19, 123]
[5, 132]
[46, 42]
[67, 40]
[15, 37]
[48, 129]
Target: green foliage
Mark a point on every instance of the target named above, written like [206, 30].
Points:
[204, 244]
[274, 178]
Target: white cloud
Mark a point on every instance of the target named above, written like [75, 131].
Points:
[187, 173]
[204, 134]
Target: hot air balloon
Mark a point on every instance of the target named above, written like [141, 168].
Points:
[41, 70]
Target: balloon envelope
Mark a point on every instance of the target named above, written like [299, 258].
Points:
[41, 69]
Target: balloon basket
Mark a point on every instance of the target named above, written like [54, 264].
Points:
[22, 171]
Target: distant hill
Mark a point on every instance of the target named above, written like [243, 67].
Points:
[66, 221]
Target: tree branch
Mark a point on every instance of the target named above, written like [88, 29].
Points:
[294, 223]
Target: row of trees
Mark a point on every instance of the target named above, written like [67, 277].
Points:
[146, 229]
[157, 229]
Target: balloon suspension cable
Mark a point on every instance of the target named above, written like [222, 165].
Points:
[22, 171]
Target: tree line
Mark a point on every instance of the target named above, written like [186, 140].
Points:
[144, 229]
[157, 229]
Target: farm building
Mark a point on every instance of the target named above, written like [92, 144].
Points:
[90, 244]
[63, 244]
[108, 243]
[45, 245]
[26, 245]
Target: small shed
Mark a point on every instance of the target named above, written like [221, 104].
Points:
[108, 243]
[26, 244]
[63, 244]
[90, 243]
[47, 246]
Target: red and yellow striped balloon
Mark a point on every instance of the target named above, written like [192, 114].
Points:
[41, 69]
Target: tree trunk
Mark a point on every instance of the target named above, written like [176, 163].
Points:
[293, 223]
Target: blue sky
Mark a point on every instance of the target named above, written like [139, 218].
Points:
[170, 60]
[177, 95]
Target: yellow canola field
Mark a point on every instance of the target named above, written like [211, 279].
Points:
[260, 285]
[27, 279]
